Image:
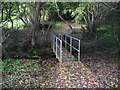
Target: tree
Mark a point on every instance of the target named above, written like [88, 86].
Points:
[8, 7]
[92, 16]
[35, 21]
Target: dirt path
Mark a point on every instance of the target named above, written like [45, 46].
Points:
[96, 70]
[73, 75]
[91, 72]
[67, 29]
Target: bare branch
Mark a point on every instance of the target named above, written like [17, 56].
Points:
[86, 16]
[23, 20]
[62, 17]
[25, 23]
[50, 25]
[85, 19]
[109, 7]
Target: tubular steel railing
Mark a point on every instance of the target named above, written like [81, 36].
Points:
[70, 43]
[57, 47]
[57, 44]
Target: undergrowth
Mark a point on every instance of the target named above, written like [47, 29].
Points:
[108, 37]
[10, 66]
[12, 69]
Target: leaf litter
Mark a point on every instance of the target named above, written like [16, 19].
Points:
[91, 72]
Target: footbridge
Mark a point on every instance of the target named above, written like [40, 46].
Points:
[65, 47]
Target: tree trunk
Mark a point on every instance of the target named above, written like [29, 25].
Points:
[35, 22]
[92, 25]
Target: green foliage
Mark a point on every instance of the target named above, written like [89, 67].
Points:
[12, 12]
[104, 28]
[18, 24]
[78, 12]
[109, 40]
[10, 66]
[1, 66]
[108, 35]
[58, 25]
[13, 68]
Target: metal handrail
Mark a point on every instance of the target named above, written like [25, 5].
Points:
[57, 45]
[72, 37]
[71, 46]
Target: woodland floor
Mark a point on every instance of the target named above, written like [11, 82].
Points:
[96, 70]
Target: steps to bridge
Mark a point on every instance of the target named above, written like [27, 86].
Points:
[63, 46]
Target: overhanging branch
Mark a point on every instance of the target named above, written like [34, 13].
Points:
[61, 16]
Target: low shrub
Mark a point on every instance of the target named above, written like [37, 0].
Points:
[109, 40]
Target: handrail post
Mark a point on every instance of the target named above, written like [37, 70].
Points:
[61, 38]
[60, 50]
[65, 41]
[70, 45]
[79, 51]
[53, 43]
[51, 39]
[56, 46]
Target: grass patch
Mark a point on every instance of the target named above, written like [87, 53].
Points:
[104, 28]
[58, 25]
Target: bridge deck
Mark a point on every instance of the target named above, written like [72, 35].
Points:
[67, 56]
[63, 48]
